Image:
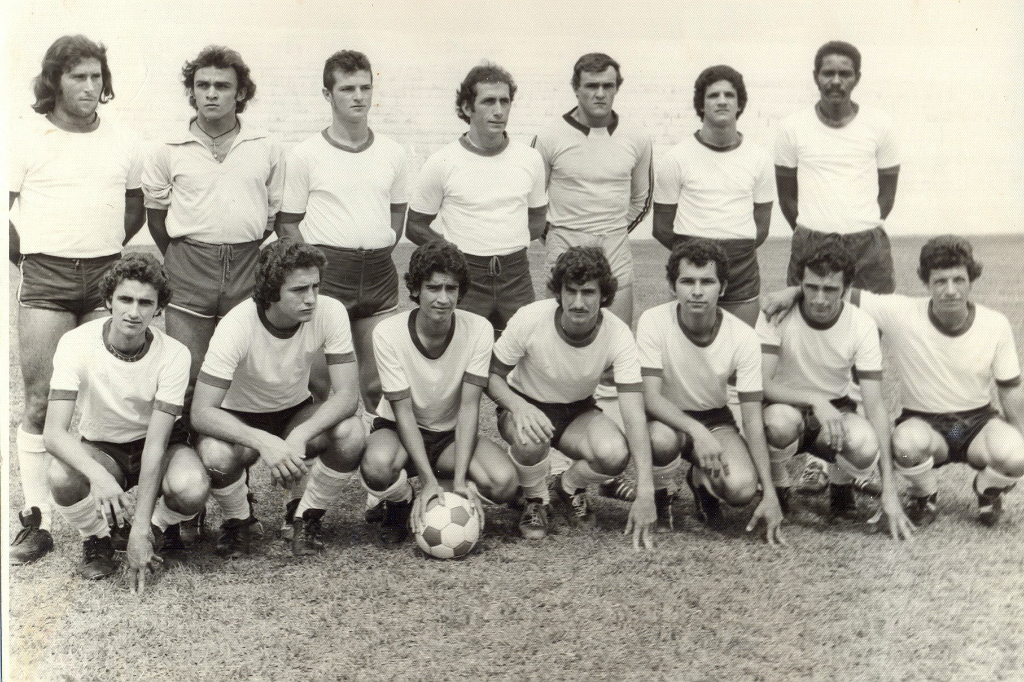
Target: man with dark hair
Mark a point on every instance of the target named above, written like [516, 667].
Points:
[433, 364]
[252, 399]
[689, 348]
[77, 180]
[129, 380]
[487, 195]
[543, 375]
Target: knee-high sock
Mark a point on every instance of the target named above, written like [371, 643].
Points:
[779, 458]
[559, 462]
[164, 516]
[664, 475]
[83, 516]
[533, 479]
[232, 500]
[990, 479]
[324, 486]
[853, 473]
[580, 475]
[922, 477]
[399, 491]
[34, 462]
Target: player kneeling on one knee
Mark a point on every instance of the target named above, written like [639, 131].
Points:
[545, 369]
[808, 358]
[433, 363]
[129, 381]
[252, 400]
[689, 348]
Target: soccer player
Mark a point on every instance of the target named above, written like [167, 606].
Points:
[807, 361]
[719, 186]
[599, 175]
[487, 195]
[76, 177]
[345, 192]
[433, 364]
[253, 401]
[689, 348]
[543, 375]
[213, 191]
[128, 378]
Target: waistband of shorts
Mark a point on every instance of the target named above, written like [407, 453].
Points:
[205, 245]
[822, 233]
[965, 414]
[703, 415]
[364, 254]
[589, 401]
[483, 261]
[62, 260]
[725, 243]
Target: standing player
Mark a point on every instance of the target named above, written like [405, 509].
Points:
[129, 380]
[689, 348]
[719, 186]
[543, 375]
[487, 194]
[808, 358]
[253, 402]
[433, 363]
[77, 181]
[599, 175]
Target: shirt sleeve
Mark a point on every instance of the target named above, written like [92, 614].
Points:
[748, 367]
[540, 144]
[868, 354]
[887, 154]
[479, 362]
[66, 377]
[296, 182]
[172, 382]
[136, 154]
[338, 347]
[156, 177]
[275, 181]
[668, 179]
[511, 347]
[1006, 364]
[17, 160]
[649, 346]
[538, 192]
[642, 185]
[227, 348]
[429, 193]
[764, 184]
[626, 363]
[400, 185]
[785, 146]
[394, 383]
[768, 335]
[884, 309]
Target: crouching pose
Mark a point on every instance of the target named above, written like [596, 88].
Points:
[129, 381]
[433, 363]
[252, 399]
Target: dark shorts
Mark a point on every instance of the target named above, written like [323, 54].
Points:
[812, 428]
[128, 456]
[275, 423]
[64, 284]
[715, 418]
[959, 429]
[498, 287]
[208, 280]
[434, 442]
[365, 281]
[744, 274]
[561, 415]
[869, 248]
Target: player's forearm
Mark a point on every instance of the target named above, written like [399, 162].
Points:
[13, 244]
[398, 221]
[134, 217]
[1012, 401]
[154, 460]
[659, 408]
[888, 179]
[538, 222]
[157, 220]
[412, 440]
[68, 449]
[215, 422]
[762, 221]
[664, 219]
[634, 420]
[417, 228]
[753, 429]
[776, 391]
[465, 439]
[332, 412]
[499, 391]
[786, 182]
[287, 227]
[878, 417]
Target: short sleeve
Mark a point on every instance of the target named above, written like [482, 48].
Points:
[1006, 364]
[67, 365]
[868, 354]
[480, 360]
[668, 179]
[156, 177]
[135, 149]
[338, 347]
[429, 187]
[626, 362]
[17, 160]
[172, 382]
[768, 335]
[511, 347]
[884, 309]
[785, 146]
[296, 181]
[538, 191]
[764, 183]
[543, 148]
[275, 181]
[399, 186]
[748, 367]
[887, 154]
[649, 345]
[393, 381]
[227, 348]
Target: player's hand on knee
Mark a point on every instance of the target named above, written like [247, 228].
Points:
[532, 426]
[112, 503]
[285, 464]
[770, 511]
[833, 428]
[642, 515]
[431, 490]
[142, 560]
[707, 451]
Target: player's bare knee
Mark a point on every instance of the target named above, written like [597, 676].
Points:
[221, 460]
[1006, 452]
[610, 456]
[529, 454]
[666, 443]
[911, 443]
[499, 485]
[378, 469]
[781, 425]
[349, 437]
[186, 490]
[739, 488]
[67, 486]
[861, 445]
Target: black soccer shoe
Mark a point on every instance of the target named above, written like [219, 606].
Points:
[306, 535]
[619, 488]
[535, 520]
[170, 547]
[194, 530]
[923, 511]
[287, 527]
[990, 505]
[97, 558]
[663, 499]
[841, 502]
[784, 495]
[32, 542]
[374, 514]
[706, 505]
[236, 537]
[394, 528]
[578, 511]
[119, 536]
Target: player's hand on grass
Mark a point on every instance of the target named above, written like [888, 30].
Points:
[285, 460]
[642, 516]
[707, 450]
[532, 426]
[833, 428]
[112, 503]
[900, 527]
[468, 490]
[141, 557]
[770, 511]
[431, 490]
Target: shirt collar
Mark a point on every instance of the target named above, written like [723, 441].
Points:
[571, 120]
[469, 146]
[244, 133]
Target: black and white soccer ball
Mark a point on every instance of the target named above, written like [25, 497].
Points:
[451, 527]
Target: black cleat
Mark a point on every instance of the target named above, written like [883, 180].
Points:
[287, 529]
[841, 503]
[307, 529]
[577, 507]
[170, 547]
[394, 528]
[706, 505]
[374, 514]
[194, 530]
[990, 505]
[663, 499]
[618, 488]
[32, 542]
[97, 558]
[534, 522]
[119, 536]
[783, 493]
[235, 537]
[922, 511]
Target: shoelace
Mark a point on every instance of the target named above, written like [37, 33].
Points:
[579, 504]
[23, 534]
[811, 473]
[534, 514]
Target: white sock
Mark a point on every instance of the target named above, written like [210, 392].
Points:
[989, 478]
[922, 477]
[164, 516]
[559, 462]
[533, 479]
[371, 500]
[580, 475]
[84, 516]
[298, 489]
[34, 462]
[324, 486]
[399, 491]
[232, 499]
[779, 458]
[664, 475]
[847, 467]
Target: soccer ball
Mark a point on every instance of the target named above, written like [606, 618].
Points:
[451, 527]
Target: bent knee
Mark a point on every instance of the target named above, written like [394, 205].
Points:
[781, 425]
[222, 460]
[666, 443]
[349, 437]
[739, 488]
[610, 456]
[67, 485]
[187, 491]
[911, 443]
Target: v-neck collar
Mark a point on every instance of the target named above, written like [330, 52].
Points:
[345, 148]
[419, 344]
[971, 310]
[686, 332]
[577, 343]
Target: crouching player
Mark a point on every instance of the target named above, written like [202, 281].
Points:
[688, 350]
[807, 361]
[129, 381]
[252, 399]
[433, 363]
[545, 369]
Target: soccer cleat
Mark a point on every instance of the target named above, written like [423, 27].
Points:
[618, 488]
[97, 558]
[32, 542]
[577, 506]
[235, 537]
[119, 536]
[287, 529]
[394, 528]
[814, 478]
[990, 506]
[783, 493]
[169, 545]
[533, 524]
[663, 499]
[307, 529]
[706, 505]
[841, 503]
[374, 514]
[194, 530]
[922, 511]
[871, 485]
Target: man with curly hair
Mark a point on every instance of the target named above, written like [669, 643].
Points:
[253, 403]
[543, 374]
[128, 379]
[433, 364]
[484, 193]
[76, 178]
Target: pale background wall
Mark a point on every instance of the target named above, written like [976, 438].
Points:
[950, 73]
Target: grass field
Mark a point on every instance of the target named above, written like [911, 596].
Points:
[840, 603]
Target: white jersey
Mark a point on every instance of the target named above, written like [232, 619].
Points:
[816, 359]
[549, 367]
[695, 376]
[345, 193]
[837, 168]
[715, 189]
[265, 369]
[117, 398]
[72, 187]
[938, 372]
[599, 179]
[434, 383]
[482, 197]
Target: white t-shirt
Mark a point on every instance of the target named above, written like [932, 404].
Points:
[837, 168]
[816, 360]
[940, 373]
[265, 369]
[433, 383]
[346, 193]
[551, 368]
[72, 187]
[715, 190]
[117, 398]
[482, 198]
[695, 377]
